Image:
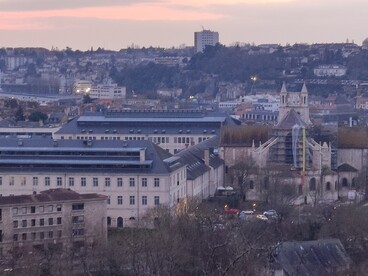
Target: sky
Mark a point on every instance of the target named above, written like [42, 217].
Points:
[118, 24]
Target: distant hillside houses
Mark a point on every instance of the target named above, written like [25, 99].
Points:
[330, 71]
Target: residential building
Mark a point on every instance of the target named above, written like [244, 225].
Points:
[205, 38]
[107, 91]
[52, 218]
[330, 71]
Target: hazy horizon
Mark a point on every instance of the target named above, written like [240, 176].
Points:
[118, 24]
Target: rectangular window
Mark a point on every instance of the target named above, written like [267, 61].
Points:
[23, 181]
[108, 201]
[24, 236]
[157, 182]
[24, 210]
[33, 209]
[78, 206]
[15, 211]
[33, 222]
[11, 181]
[83, 182]
[58, 220]
[35, 181]
[24, 223]
[42, 222]
[78, 219]
[47, 181]
[51, 234]
[144, 182]
[59, 181]
[33, 236]
[132, 200]
[78, 232]
[131, 182]
[157, 200]
[42, 235]
[1, 180]
[60, 233]
[15, 224]
[51, 221]
[107, 182]
[95, 182]
[41, 209]
[120, 182]
[120, 200]
[71, 181]
[50, 208]
[15, 237]
[58, 208]
[144, 200]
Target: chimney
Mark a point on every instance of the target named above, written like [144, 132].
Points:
[207, 157]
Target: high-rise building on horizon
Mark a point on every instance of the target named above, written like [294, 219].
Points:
[205, 38]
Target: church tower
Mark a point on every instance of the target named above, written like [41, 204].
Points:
[297, 101]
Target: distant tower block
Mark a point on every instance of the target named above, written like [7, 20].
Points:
[205, 38]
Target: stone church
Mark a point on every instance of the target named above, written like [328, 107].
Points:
[263, 160]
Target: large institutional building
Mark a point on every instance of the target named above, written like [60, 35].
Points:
[172, 130]
[133, 175]
[205, 38]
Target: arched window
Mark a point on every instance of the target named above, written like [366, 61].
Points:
[108, 221]
[328, 186]
[312, 184]
[345, 182]
[251, 184]
[120, 222]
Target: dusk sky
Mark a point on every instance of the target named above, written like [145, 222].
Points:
[117, 24]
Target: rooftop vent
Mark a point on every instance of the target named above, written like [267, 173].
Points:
[205, 131]
[90, 131]
[163, 131]
[107, 131]
[155, 131]
[188, 130]
[115, 130]
[55, 143]
[139, 130]
[181, 131]
[83, 131]
[213, 131]
[131, 131]
[20, 142]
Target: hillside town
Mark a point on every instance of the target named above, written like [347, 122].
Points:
[185, 161]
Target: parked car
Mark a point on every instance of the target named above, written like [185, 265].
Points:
[262, 217]
[270, 214]
[243, 214]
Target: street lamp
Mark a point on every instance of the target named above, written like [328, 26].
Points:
[253, 79]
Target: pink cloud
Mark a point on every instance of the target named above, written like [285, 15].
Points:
[140, 12]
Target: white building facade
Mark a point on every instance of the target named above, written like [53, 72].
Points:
[205, 38]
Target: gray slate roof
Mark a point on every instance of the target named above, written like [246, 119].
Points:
[51, 195]
[194, 157]
[51, 153]
[310, 258]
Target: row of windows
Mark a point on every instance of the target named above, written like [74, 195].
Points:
[83, 181]
[37, 235]
[32, 222]
[159, 139]
[144, 200]
[33, 209]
